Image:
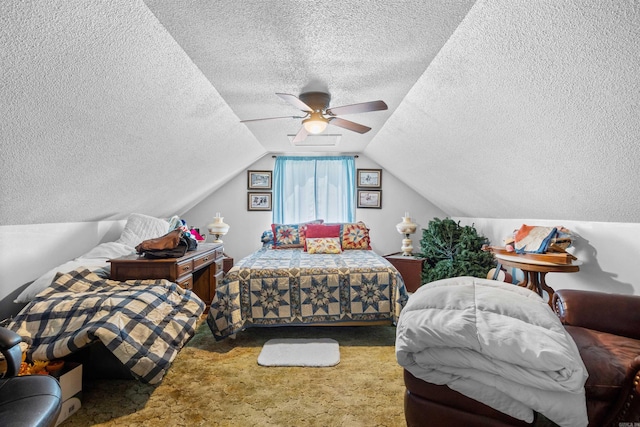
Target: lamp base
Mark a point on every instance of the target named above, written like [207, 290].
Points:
[406, 227]
[407, 246]
[217, 237]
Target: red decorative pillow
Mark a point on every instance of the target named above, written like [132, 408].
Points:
[320, 231]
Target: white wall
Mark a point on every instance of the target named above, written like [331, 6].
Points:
[28, 251]
[608, 252]
[247, 227]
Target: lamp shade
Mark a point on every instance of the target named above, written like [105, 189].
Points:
[218, 227]
[315, 124]
[406, 226]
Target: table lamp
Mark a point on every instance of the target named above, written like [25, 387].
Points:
[407, 227]
[218, 228]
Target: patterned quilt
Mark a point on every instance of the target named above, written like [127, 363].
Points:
[144, 323]
[289, 286]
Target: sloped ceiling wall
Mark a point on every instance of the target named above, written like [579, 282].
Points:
[530, 110]
[506, 109]
[103, 114]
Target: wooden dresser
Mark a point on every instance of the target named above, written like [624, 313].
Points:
[200, 270]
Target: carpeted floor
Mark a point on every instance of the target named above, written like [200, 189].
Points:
[221, 384]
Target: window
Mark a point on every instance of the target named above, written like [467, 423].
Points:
[308, 188]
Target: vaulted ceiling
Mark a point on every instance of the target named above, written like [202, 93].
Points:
[497, 109]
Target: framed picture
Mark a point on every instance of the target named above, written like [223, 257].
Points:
[259, 202]
[259, 180]
[369, 178]
[370, 199]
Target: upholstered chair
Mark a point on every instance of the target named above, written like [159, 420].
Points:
[25, 401]
[606, 329]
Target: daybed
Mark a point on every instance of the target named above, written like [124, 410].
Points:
[336, 280]
[75, 308]
[606, 332]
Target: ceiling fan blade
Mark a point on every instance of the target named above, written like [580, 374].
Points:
[295, 101]
[301, 135]
[356, 127]
[272, 118]
[363, 107]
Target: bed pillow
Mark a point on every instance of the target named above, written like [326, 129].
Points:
[321, 230]
[43, 282]
[141, 227]
[323, 245]
[287, 236]
[355, 236]
[107, 250]
[267, 238]
[95, 260]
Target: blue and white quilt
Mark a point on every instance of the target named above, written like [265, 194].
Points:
[144, 323]
[291, 287]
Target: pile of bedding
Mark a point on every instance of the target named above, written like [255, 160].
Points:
[144, 323]
[497, 343]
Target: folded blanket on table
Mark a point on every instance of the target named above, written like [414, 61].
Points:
[496, 343]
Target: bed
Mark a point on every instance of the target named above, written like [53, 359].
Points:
[286, 285]
[143, 324]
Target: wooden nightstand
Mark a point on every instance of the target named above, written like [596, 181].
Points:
[410, 269]
[227, 263]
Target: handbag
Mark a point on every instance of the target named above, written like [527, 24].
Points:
[177, 252]
[174, 244]
[168, 241]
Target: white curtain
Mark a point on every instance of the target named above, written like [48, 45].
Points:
[308, 188]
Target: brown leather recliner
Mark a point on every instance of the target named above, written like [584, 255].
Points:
[606, 329]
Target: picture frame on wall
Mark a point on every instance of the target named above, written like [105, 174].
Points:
[259, 202]
[259, 180]
[369, 178]
[371, 199]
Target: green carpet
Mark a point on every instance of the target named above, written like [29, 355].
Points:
[221, 384]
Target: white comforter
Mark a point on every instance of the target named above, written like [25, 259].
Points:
[494, 342]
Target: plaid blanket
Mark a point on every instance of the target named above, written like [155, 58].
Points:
[289, 286]
[144, 323]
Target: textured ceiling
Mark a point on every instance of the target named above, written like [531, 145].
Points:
[501, 108]
[358, 52]
[530, 110]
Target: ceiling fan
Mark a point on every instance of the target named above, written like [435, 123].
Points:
[319, 115]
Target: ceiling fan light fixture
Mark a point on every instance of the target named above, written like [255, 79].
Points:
[318, 115]
[315, 124]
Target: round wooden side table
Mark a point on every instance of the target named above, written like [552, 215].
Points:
[535, 272]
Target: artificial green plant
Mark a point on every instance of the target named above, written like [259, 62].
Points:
[452, 250]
